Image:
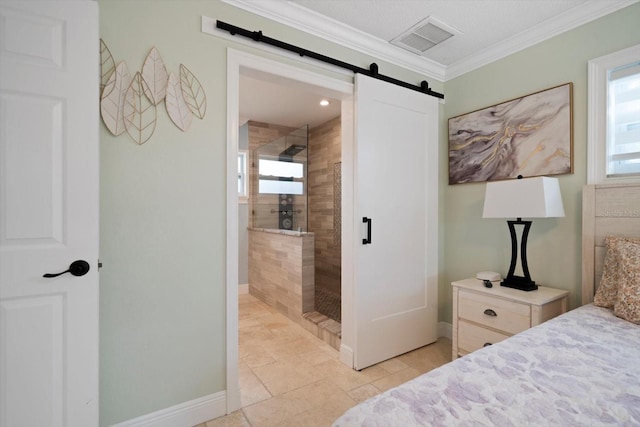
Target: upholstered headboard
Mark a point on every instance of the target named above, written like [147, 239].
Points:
[607, 210]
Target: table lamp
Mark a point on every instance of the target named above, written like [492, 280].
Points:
[537, 197]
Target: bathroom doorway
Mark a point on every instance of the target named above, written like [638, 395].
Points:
[372, 311]
[302, 139]
[266, 71]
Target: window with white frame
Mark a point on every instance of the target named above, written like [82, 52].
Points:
[623, 125]
[242, 175]
[280, 177]
[614, 117]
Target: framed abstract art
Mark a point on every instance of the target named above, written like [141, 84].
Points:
[529, 136]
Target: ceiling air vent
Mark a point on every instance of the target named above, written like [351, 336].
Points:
[424, 35]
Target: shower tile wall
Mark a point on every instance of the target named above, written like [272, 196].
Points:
[260, 134]
[281, 271]
[324, 153]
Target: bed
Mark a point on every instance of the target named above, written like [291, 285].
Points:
[580, 368]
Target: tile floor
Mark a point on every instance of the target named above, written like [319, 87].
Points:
[288, 377]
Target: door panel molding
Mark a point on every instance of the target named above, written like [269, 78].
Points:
[49, 210]
[396, 276]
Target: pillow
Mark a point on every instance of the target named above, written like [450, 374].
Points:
[607, 290]
[627, 305]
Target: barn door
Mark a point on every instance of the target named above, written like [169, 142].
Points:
[396, 208]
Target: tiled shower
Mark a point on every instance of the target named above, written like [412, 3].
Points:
[324, 185]
[316, 218]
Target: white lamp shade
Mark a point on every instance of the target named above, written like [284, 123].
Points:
[537, 197]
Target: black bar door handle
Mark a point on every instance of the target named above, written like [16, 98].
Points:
[77, 268]
[367, 240]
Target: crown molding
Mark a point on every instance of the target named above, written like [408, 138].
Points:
[551, 28]
[306, 20]
[329, 29]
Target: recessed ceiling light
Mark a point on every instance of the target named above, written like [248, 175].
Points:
[324, 102]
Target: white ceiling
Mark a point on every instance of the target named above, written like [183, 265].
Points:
[488, 30]
[277, 103]
[483, 24]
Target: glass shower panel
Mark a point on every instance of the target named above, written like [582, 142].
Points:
[280, 199]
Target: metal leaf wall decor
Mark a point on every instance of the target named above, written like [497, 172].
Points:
[177, 107]
[112, 102]
[155, 76]
[193, 92]
[107, 65]
[130, 105]
[139, 112]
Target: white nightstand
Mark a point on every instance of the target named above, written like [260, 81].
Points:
[484, 316]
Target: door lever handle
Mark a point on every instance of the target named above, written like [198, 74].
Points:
[77, 268]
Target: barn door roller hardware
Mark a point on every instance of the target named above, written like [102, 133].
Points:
[372, 71]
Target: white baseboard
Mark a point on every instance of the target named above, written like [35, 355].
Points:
[346, 355]
[187, 414]
[243, 289]
[445, 329]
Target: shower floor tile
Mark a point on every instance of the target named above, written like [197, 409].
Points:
[328, 303]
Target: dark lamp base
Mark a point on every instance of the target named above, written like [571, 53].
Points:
[521, 283]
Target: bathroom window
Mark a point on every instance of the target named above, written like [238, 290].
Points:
[242, 175]
[280, 177]
[614, 117]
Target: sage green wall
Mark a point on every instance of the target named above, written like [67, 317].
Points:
[163, 207]
[163, 224]
[473, 244]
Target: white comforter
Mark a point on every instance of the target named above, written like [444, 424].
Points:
[579, 369]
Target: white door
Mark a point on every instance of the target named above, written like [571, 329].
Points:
[49, 77]
[396, 135]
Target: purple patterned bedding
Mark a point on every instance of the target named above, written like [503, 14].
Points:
[578, 369]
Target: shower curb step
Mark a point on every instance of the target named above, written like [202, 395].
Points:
[324, 322]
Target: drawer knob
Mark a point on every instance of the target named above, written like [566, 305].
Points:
[487, 344]
[490, 312]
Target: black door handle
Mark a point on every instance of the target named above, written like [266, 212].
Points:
[367, 221]
[77, 268]
[490, 312]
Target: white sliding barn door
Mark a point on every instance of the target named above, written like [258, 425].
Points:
[49, 76]
[396, 189]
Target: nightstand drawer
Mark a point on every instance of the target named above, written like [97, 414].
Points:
[472, 337]
[488, 315]
[507, 316]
